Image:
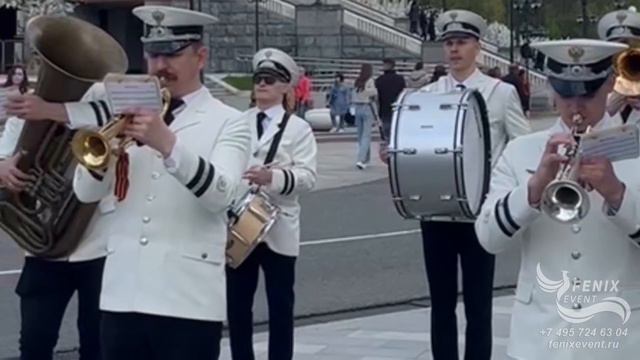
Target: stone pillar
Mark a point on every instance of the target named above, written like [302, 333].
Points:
[319, 30]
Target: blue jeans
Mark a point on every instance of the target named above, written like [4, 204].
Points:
[337, 120]
[364, 118]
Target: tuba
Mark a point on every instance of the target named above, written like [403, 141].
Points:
[564, 199]
[47, 219]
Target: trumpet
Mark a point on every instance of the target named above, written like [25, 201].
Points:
[564, 199]
[95, 149]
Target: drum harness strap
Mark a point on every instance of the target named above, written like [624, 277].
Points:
[276, 139]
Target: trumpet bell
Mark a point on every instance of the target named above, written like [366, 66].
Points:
[565, 201]
[91, 149]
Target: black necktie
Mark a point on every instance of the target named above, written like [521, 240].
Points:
[173, 105]
[625, 113]
[260, 117]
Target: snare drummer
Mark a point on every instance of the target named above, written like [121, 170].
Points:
[293, 172]
[443, 241]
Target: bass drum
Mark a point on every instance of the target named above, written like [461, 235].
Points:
[440, 155]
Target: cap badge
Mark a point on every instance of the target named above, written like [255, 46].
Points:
[158, 16]
[621, 17]
[453, 16]
[576, 52]
[268, 54]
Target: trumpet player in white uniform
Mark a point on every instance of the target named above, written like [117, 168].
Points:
[291, 173]
[579, 282]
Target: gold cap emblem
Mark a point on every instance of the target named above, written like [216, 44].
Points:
[576, 52]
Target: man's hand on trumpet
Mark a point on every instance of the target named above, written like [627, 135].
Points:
[598, 174]
[549, 166]
[150, 129]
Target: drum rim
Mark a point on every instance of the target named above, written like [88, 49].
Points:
[459, 160]
[391, 169]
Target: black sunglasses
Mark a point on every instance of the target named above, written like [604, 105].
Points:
[268, 79]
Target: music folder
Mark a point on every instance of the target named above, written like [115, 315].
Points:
[615, 143]
[126, 92]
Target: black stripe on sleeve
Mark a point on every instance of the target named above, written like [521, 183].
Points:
[501, 225]
[210, 173]
[198, 176]
[105, 108]
[96, 110]
[286, 182]
[507, 214]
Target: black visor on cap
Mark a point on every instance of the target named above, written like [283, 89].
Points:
[269, 71]
[166, 47]
[628, 30]
[274, 68]
[569, 89]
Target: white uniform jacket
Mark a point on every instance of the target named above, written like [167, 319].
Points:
[294, 173]
[166, 239]
[506, 119]
[565, 268]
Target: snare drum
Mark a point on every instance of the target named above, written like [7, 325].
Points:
[440, 155]
[250, 221]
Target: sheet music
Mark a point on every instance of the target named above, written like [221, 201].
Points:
[618, 143]
[4, 92]
[133, 91]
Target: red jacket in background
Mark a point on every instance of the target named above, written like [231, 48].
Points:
[303, 90]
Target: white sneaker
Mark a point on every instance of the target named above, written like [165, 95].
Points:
[333, 130]
[361, 166]
[340, 130]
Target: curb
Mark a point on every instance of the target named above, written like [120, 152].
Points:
[325, 137]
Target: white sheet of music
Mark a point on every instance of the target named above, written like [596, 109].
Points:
[4, 92]
[126, 92]
[617, 143]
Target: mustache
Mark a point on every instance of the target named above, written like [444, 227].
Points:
[166, 76]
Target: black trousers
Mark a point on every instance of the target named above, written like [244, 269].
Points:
[45, 288]
[279, 274]
[386, 126]
[443, 243]
[136, 336]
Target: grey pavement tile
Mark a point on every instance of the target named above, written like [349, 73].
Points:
[391, 335]
[370, 351]
[330, 340]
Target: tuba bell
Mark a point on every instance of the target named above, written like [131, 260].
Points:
[95, 149]
[564, 199]
[47, 219]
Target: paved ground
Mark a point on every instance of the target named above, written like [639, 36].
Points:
[358, 257]
[400, 335]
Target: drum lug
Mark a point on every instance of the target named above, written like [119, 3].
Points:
[410, 197]
[452, 106]
[444, 151]
[411, 107]
[406, 151]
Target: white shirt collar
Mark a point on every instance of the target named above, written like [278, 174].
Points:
[468, 82]
[273, 112]
[191, 97]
